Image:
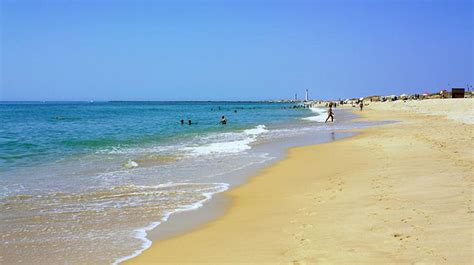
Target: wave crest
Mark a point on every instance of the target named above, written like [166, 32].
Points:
[230, 143]
[320, 117]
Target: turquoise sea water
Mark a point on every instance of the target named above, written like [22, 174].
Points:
[36, 133]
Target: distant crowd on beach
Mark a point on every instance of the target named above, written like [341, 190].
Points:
[331, 112]
[361, 102]
[354, 102]
[443, 94]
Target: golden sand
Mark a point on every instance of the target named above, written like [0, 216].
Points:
[398, 193]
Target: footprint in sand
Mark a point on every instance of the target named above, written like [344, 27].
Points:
[406, 220]
[306, 226]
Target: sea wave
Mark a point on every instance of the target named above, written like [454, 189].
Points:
[321, 115]
[259, 129]
[227, 143]
[212, 143]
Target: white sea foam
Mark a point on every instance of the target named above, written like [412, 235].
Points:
[259, 129]
[216, 143]
[120, 150]
[224, 147]
[228, 143]
[316, 118]
[141, 233]
[320, 117]
[130, 164]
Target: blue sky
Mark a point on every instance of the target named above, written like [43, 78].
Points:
[231, 50]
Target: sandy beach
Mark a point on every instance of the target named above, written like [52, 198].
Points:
[399, 193]
[194, 132]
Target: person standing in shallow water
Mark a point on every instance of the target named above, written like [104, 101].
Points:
[223, 120]
[361, 105]
[330, 114]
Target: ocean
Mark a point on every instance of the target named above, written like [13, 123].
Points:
[82, 182]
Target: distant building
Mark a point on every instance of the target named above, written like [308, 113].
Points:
[306, 97]
[457, 92]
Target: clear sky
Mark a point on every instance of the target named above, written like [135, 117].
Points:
[231, 50]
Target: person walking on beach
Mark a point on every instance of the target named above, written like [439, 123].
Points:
[223, 120]
[361, 104]
[330, 114]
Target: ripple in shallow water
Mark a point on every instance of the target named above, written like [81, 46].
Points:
[52, 228]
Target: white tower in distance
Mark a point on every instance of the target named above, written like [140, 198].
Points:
[306, 98]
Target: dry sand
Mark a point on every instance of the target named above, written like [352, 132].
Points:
[454, 109]
[400, 193]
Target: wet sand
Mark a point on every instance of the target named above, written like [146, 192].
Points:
[398, 193]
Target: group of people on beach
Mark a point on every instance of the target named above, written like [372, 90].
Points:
[331, 112]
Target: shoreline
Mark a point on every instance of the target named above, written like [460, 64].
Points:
[144, 233]
[213, 207]
[295, 233]
[121, 203]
